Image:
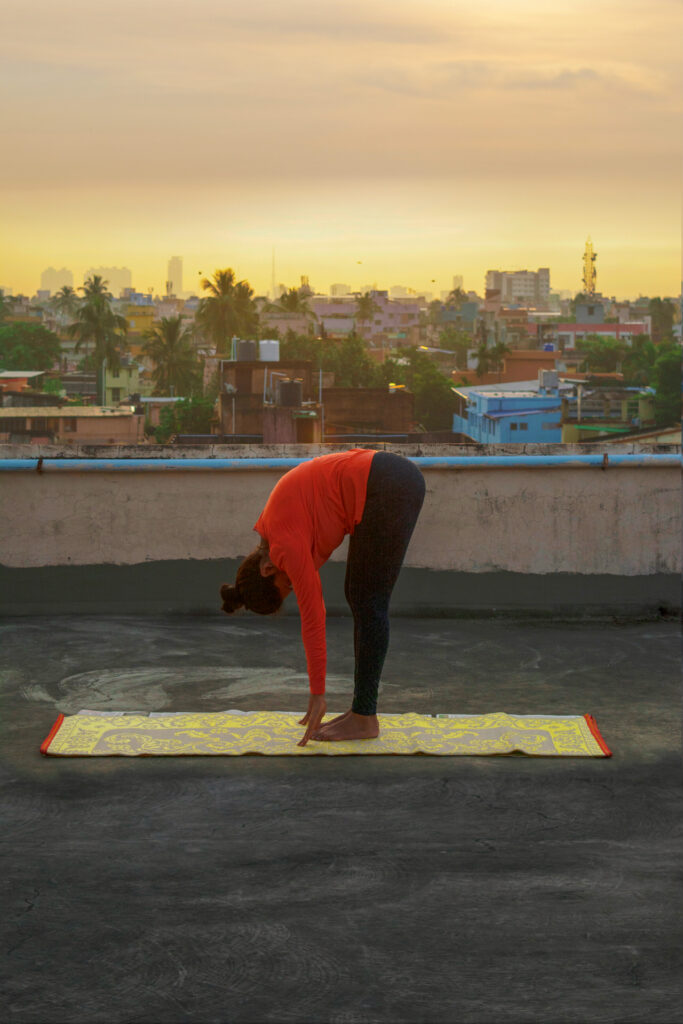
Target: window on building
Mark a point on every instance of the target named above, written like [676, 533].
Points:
[116, 394]
[524, 426]
[69, 424]
[513, 426]
[115, 372]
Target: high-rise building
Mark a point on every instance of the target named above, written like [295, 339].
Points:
[521, 287]
[337, 290]
[457, 281]
[174, 277]
[52, 280]
[117, 278]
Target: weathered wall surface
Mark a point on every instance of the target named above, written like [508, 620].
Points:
[539, 527]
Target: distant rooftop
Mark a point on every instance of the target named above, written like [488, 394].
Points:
[12, 374]
[65, 411]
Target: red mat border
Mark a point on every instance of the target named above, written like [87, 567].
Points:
[593, 726]
[51, 735]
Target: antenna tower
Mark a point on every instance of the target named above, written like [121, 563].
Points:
[589, 271]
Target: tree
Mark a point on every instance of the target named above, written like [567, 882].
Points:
[454, 339]
[662, 312]
[65, 301]
[638, 362]
[28, 347]
[483, 355]
[98, 329]
[294, 301]
[456, 298]
[602, 354]
[228, 311]
[351, 363]
[52, 386]
[366, 307]
[302, 346]
[176, 365]
[666, 380]
[187, 416]
[6, 304]
[435, 402]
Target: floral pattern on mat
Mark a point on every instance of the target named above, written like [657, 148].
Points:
[230, 733]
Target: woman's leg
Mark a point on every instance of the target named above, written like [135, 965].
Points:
[396, 490]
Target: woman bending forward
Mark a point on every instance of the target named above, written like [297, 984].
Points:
[375, 497]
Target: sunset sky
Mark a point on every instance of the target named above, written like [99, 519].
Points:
[382, 141]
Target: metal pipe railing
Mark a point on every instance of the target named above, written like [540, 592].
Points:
[602, 461]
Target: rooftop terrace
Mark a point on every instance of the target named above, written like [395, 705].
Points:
[350, 890]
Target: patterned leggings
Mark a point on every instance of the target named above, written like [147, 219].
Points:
[377, 547]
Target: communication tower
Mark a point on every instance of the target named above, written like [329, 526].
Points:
[589, 271]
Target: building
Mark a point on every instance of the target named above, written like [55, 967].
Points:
[116, 278]
[71, 424]
[521, 287]
[174, 276]
[500, 415]
[19, 380]
[52, 280]
[394, 321]
[518, 365]
[140, 319]
[339, 290]
[288, 402]
[601, 408]
[120, 382]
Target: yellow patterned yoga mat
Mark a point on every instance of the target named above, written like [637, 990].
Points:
[132, 734]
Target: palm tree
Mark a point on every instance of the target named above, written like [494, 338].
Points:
[96, 324]
[65, 301]
[366, 307]
[229, 309]
[292, 301]
[170, 347]
[95, 287]
[483, 359]
[497, 355]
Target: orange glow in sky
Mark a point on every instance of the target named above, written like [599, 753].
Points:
[377, 142]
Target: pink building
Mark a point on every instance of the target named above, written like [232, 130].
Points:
[393, 318]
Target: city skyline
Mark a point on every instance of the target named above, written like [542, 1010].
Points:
[364, 143]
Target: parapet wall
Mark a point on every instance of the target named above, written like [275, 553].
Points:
[574, 540]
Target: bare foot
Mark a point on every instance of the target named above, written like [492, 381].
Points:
[350, 727]
[333, 721]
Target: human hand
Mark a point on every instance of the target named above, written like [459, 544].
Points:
[317, 706]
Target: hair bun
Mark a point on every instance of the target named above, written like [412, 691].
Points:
[232, 598]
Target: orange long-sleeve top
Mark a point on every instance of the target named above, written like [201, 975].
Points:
[309, 512]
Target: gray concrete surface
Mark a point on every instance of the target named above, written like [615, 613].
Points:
[342, 890]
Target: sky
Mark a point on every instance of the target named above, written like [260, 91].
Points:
[381, 142]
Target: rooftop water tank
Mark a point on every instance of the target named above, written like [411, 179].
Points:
[269, 350]
[290, 393]
[246, 351]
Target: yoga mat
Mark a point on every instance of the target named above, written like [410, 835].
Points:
[135, 734]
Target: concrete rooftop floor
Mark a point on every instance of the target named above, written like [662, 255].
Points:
[346, 889]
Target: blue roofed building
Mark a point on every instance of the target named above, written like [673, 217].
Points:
[526, 412]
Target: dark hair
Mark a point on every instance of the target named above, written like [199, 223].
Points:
[251, 590]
